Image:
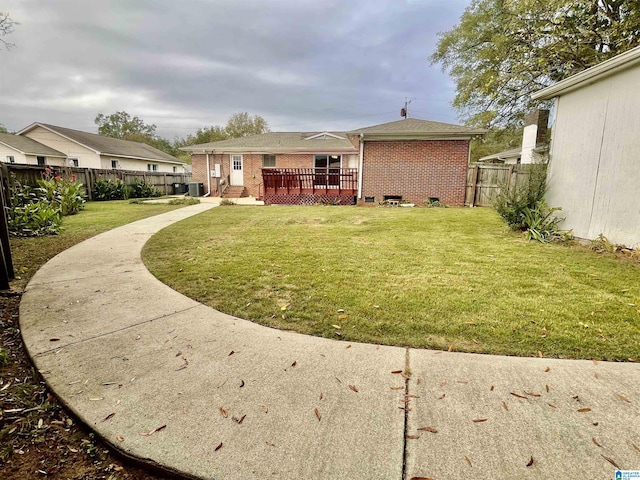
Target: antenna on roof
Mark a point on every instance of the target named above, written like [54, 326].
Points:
[404, 111]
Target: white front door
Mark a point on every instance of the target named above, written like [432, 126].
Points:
[237, 177]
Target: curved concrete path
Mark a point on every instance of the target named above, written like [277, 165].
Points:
[179, 385]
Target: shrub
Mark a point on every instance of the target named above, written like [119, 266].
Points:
[109, 190]
[141, 189]
[541, 224]
[225, 202]
[432, 203]
[511, 203]
[28, 215]
[68, 194]
[184, 201]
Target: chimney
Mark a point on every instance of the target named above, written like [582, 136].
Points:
[534, 135]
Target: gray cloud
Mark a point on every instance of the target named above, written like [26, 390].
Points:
[301, 64]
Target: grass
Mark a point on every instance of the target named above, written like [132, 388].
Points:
[29, 254]
[434, 278]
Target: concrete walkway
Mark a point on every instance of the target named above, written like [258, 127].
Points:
[179, 385]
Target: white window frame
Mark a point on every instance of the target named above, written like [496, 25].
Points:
[175, 169]
[264, 156]
[11, 159]
[114, 163]
[73, 161]
[44, 160]
[152, 167]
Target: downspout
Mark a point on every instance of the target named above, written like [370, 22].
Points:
[208, 179]
[361, 162]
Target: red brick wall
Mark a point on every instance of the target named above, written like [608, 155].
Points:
[416, 170]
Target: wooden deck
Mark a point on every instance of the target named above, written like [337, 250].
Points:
[323, 181]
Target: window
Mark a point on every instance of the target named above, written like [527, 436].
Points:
[268, 161]
[114, 163]
[327, 169]
[152, 167]
[73, 162]
[42, 161]
[11, 159]
[175, 169]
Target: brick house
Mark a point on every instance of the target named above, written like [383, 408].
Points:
[410, 159]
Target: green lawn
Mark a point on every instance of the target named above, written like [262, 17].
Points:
[29, 254]
[435, 278]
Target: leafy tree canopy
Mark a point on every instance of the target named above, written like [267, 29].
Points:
[243, 124]
[501, 51]
[3, 129]
[122, 125]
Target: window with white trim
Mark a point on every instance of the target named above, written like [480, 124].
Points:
[175, 169]
[114, 163]
[11, 159]
[73, 162]
[42, 161]
[268, 161]
[152, 167]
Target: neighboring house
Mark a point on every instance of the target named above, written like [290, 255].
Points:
[411, 160]
[594, 168]
[534, 138]
[23, 150]
[89, 150]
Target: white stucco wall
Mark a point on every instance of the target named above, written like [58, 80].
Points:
[594, 170]
[86, 158]
[133, 164]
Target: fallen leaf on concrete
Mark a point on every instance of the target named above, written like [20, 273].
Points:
[413, 437]
[504, 405]
[404, 375]
[348, 346]
[398, 388]
[231, 353]
[178, 354]
[109, 416]
[396, 371]
[466, 459]
[552, 405]
[596, 376]
[584, 410]
[120, 438]
[410, 395]
[418, 381]
[532, 394]
[353, 387]
[479, 420]
[54, 339]
[222, 382]
[595, 442]
[530, 462]
[517, 395]
[265, 408]
[422, 478]
[623, 398]
[491, 389]
[611, 461]
[218, 447]
[547, 370]
[146, 434]
[241, 383]
[223, 412]
[428, 429]
[441, 396]
[576, 398]
[321, 396]
[271, 444]
[635, 447]
[442, 384]
[239, 420]
[546, 387]
[317, 412]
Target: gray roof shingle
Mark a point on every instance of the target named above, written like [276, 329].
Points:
[281, 141]
[113, 146]
[28, 146]
[417, 127]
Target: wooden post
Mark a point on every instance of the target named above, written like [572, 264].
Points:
[474, 185]
[6, 269]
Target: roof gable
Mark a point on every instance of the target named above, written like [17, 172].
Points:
[28, 146]
[107, 145]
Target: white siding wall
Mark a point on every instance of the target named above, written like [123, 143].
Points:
[594, 171]
[17, 156]
[133, 164]
[87, 158]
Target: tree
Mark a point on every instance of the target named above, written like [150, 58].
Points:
[3, 129]
[204, 135]
[496, 140]
[6, 28]
[122, 125]
[243, 124]
[501, 51]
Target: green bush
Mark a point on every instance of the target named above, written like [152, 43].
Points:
[68, 194]
[512, 203]
[542, 225]
[141, 189]
[29, 215]
[184, 201]
[109, 190]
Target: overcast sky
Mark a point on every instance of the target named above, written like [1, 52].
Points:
[303, 65]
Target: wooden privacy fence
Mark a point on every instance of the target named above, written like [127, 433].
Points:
[484, 182]
[164, 182]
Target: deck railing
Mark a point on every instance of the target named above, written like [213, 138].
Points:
[311, 180]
